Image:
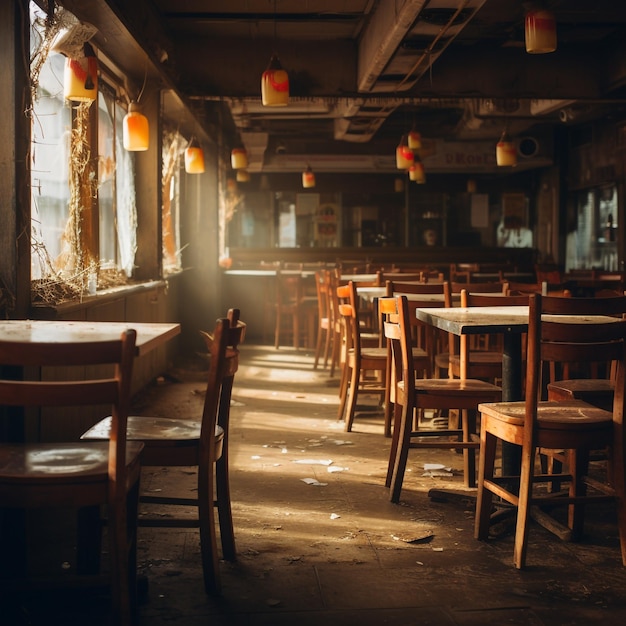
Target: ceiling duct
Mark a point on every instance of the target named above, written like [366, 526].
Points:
[397, 48]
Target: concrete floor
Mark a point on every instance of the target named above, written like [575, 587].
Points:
[338, 552]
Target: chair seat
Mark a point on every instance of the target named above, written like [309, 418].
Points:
[39, 471]
[572, 415]
[597, 391]
[179, 437]
[60, 463]
[454, 386]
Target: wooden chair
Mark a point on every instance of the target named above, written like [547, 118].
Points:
[424, 337]
[573, 426]
[359, 359]
[325, 333]
[77, 476]
[415, 394]
[202, 443]
[483, 363]
[293, 304]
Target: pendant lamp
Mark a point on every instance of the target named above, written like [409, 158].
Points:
[540, 31]
[80, 77]
[416, 172]
[239, 158]
[136, 131]
[506, 154]
[415, 140]
[194, 158]
[275, 84]
[404, 155]
[308, 178]
[398, 185]
[243, 176]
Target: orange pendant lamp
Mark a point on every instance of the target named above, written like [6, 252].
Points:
[80, 77]
[506, 153]
[243, 176]
[135, 129]
[275, 84]
[405, 157]
[308, 178]
[194, 158]
[540, 31]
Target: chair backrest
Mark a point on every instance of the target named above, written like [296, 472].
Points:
[468, 298]
[289, 289]
[223, 346]
[397, 331]
[488, 287]
[349, 310]
[558, 333]
[400, 286]
[71, 388]
[322, 287]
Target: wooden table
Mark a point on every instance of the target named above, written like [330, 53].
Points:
[511, 322]
[149, 335]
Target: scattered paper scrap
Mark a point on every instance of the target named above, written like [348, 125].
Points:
[314, 461]
[341, 442]
[314, 482]
[335, 468]
[334, 516]
[435, 466]
[255, 457]
[437, 549]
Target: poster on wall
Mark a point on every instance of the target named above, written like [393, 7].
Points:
[327, 225]
[513, 230]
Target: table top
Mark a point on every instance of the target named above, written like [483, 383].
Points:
[493, 319]
[372, 293]
[270, 273]
[149, 335]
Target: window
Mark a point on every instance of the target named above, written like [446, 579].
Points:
[82, 180]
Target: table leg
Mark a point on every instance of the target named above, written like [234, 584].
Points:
[511, 391]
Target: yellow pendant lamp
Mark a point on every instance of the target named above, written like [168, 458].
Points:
[540, 31]
[506, 153]
[239, 158]
[243, 176]
[80, 77]
[194, 158]
[415, 140]
[308, 178]
[135, 129]
[416, 172]
[275, 84]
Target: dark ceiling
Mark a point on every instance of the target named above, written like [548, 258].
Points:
[364, 72]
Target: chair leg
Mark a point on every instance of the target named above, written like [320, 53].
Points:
[484, 497]
[395, 436]
[318, 348]
[277, 329]
[616, 469]
[343, 390]
[121, 560]
[523, 507]
[206, 516]
[353, 393]
[224, 510]
[328, 346]
[578, 463]
[402, 454]
[468, 420]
